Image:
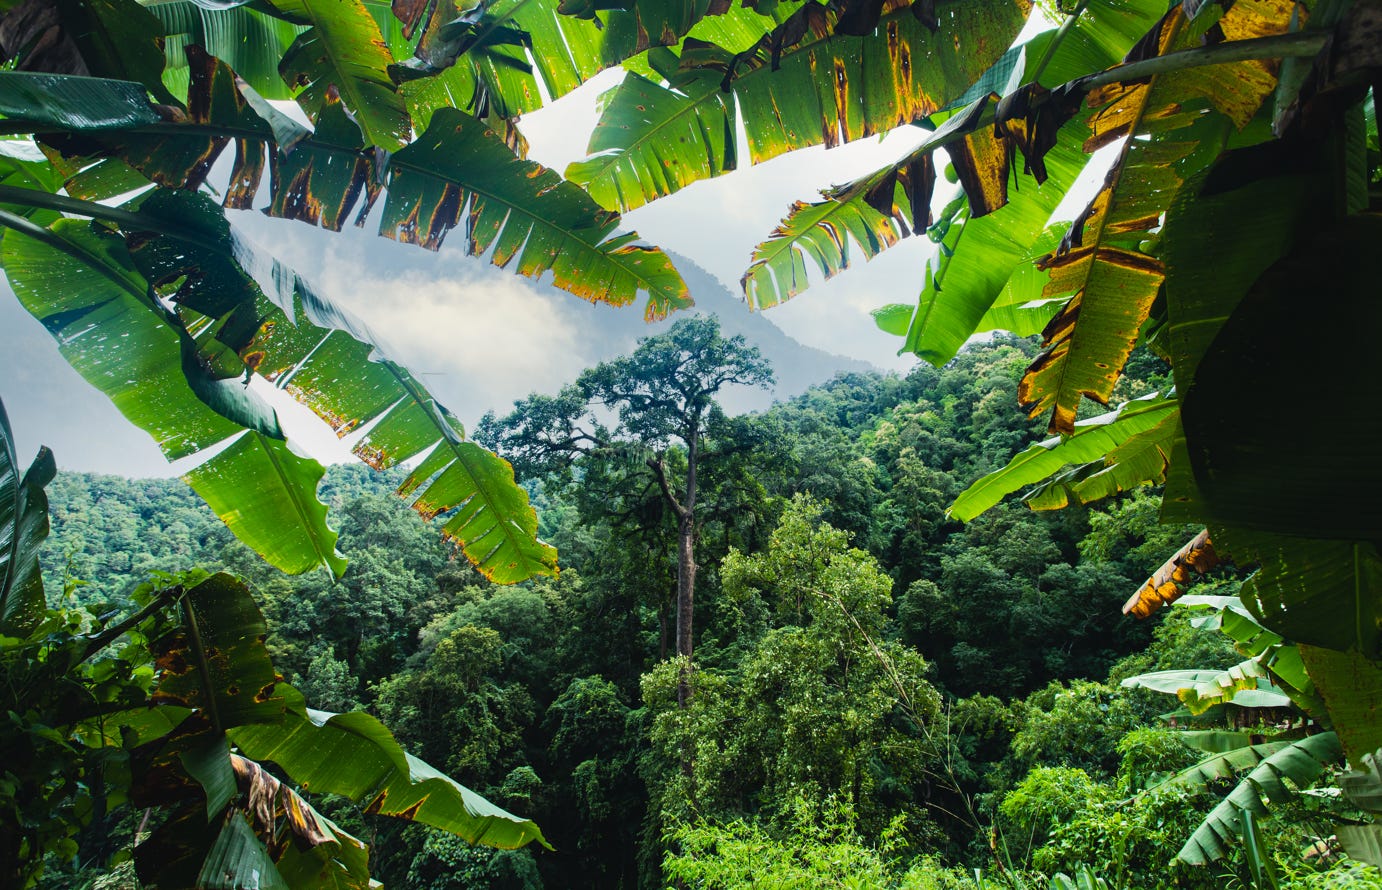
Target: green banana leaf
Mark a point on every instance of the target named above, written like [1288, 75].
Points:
[245, 38]
[83, 285]
[23, 528]
[1095, 439]
[1351, 686]
[801, 85]
[269, 321]
[343, 49]
[524, 213]
[1300, 762]
[353, 755]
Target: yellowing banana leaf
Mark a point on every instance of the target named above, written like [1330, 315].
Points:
[1113, 284]
[1092, 440]
[344, 49]
[353, 755]
[23, 528]
[800, 85]
[1167, 583]
[521, 213]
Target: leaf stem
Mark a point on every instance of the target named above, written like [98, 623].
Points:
[161, 599]
[1281, 46]
[1055, 43]
[194, 636]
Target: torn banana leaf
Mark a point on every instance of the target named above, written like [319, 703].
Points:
[800, 85]
[1111, 281]
[523, 214]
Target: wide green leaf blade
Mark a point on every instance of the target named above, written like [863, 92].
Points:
[800, 85]
[1092, 440]
[23, 528]
[85, 289]
[522, 212]
[1351, 686]
[266, 495]
[355, 756]
[1300, 762]
[345, 50]
[216, 662]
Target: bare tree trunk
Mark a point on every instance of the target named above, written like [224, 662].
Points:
[686, 566]
[686, 597]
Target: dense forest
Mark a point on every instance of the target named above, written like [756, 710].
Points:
[884, 696]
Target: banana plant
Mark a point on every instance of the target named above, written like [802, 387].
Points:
[175, 707]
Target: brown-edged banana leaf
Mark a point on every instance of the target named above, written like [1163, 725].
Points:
[23, 528]
[521, 213]
[344, 49]
[355, 756]
[800, 85]
[1167, 583]
[1099, 37]
[1112, 282]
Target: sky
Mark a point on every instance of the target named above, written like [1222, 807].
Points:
[481, 337]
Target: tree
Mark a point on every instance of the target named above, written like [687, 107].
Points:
[663, 394]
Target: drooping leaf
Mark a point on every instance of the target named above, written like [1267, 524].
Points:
[344, 49]
[988, 252]
[800, 85]
[523, 213]
[23, 528]
[1167, 583]
[84, 286]
[1092, 440]
[1300, 762]
[255, 315]
[253, 485]
[353, 755]
[1224, 765]
[96, 303]
[1111, 281]
[246, 39]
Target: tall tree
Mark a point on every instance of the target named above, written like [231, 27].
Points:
[661, 397]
